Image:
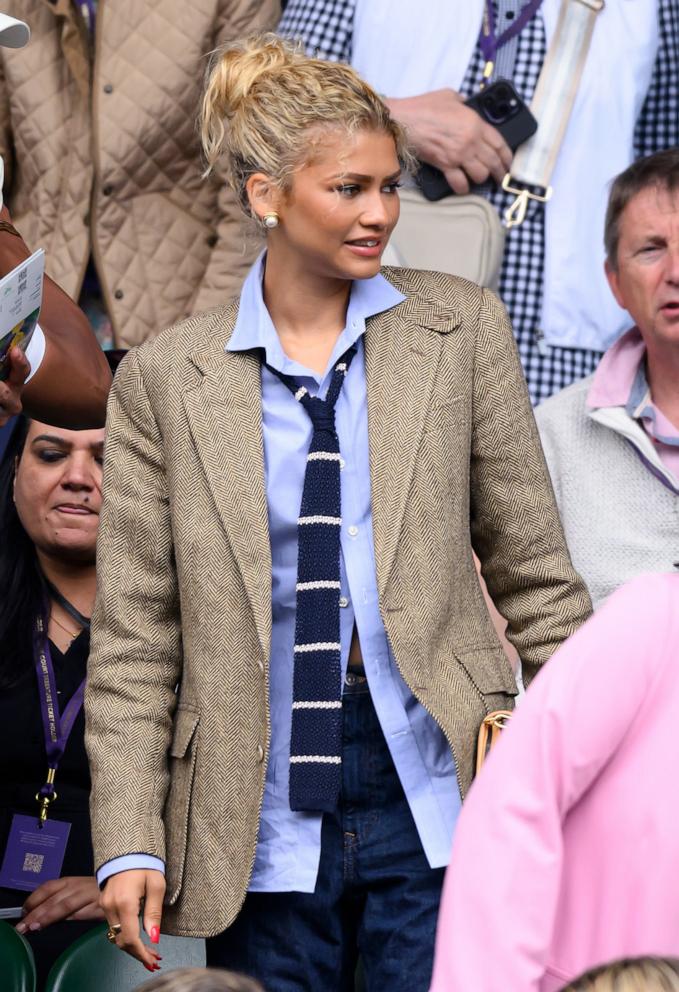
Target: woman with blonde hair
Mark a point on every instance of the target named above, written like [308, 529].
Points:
[200, 980]
[291, 652]
[631, 975]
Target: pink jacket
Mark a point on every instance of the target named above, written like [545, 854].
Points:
[566, 854]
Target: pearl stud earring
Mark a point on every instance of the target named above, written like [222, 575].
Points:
[270, 220]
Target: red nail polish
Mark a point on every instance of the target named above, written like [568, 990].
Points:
[154, 934]
[149, 967]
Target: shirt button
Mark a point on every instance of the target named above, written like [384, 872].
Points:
[108, 88]
[353, 531]
[260, 753]
[344, 601]
[119, 294]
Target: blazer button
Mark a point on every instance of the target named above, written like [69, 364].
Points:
[211, 241]
[107, 190]
[260, 753]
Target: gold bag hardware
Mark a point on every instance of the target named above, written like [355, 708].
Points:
[489, 734]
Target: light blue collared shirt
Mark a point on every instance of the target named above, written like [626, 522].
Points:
[289, 843]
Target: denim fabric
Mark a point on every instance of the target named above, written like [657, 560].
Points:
[375, 895]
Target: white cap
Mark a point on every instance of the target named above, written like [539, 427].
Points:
[13, 33]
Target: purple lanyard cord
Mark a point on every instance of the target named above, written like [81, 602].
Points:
[89, 11]
[490, 43]
[57, 726]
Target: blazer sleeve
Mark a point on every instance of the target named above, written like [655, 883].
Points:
[502, 887]
[136, 653]
[515, 526]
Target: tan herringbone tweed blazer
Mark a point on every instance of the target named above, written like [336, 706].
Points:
[177, 709]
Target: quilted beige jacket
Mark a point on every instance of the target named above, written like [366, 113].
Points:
[108, 161]
[184, 570]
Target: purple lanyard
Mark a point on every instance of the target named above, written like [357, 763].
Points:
[89, 11]
[490, 43]
[57, 726]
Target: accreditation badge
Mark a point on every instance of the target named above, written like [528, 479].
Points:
[34, 853]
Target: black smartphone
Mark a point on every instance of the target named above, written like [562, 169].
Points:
[500, 105]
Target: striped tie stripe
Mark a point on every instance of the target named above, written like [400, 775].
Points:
[319, 519]
[320, 584]
[318, 646]
[319, 704]
[324, 456]
[323, 759]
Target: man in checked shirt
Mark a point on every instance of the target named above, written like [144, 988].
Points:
[427, 59]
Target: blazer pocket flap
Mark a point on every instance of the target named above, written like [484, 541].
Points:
[185, 724]
[489, 670]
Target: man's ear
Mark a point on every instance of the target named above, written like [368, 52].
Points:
[263, 195]
[614, 282]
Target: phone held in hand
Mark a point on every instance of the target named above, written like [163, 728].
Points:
[500, 105]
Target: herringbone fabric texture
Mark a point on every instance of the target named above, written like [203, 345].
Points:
[182, 625]
[316, 735]
[110, 164]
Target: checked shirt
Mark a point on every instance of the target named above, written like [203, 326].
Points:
[326, 29]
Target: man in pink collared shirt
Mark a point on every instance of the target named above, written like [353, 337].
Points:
[612, 440]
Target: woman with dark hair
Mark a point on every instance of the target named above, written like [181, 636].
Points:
[50, 496]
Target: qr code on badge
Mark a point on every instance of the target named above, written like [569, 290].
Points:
[33, 862]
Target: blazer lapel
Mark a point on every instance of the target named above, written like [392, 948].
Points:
[225, 417]
[401, 358]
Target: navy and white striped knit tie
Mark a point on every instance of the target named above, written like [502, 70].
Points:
[316, 738]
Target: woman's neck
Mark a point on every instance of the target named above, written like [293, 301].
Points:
[76, 581]
[308, 311]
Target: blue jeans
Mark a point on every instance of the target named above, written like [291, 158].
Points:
[375, 894]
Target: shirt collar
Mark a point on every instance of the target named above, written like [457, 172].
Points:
[617, 371]
[254, 327]
[620, 380]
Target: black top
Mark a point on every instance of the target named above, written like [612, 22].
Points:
[24, 766]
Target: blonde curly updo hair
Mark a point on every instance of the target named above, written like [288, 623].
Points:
[648, 974]
[267, 106]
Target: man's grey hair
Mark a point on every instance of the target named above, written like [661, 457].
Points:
[660, 170]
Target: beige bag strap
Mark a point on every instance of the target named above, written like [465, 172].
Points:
[551, 105]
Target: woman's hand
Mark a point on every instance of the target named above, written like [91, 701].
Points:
[122, 899]
[74, 897]
[12, 388]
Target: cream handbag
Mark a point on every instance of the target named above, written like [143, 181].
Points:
[460, 235]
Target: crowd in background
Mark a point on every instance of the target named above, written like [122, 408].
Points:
[233, 169]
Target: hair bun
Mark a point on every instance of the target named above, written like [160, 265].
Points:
[243, 64]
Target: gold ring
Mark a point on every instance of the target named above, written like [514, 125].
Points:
[113, 931]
